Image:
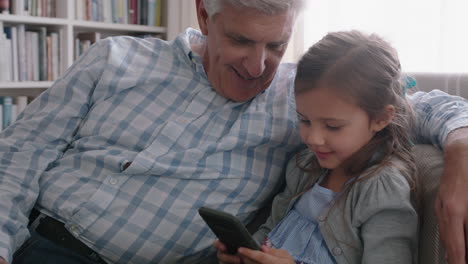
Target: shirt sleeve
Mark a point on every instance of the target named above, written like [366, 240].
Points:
[39, 137]
[387, 219]
[437, 114]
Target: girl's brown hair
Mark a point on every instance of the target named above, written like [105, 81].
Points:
[366, 70]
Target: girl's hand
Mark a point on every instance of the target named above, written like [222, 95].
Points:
[223, 256]
[266, 256]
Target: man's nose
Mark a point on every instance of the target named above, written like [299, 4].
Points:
[255, 62]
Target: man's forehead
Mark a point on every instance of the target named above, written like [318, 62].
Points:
[260, 30]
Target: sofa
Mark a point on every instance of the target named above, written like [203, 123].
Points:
[452, 83]
[430, 169]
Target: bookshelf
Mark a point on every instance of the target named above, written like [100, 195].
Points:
[66, 24]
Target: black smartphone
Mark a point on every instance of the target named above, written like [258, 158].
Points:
[228, 229]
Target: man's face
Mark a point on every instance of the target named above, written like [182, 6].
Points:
[244, 48]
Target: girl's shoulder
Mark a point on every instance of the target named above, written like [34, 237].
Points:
[387, 187]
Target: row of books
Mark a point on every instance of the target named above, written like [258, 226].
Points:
[138, 12]
[44, 8]
[29, 54]
[84, 40]
[10, 108]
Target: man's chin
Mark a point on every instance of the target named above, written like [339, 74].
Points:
[244, 96]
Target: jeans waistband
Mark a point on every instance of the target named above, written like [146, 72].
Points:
[56, 232]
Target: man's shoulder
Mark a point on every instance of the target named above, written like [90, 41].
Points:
[125, 43]
[284, 77]
[287, 68]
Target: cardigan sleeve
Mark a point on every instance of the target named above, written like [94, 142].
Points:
[387, 219]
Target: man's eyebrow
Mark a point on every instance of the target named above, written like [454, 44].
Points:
[244, 38]
[238, 36]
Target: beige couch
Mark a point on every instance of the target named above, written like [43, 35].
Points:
[430, 168]
[452, 83]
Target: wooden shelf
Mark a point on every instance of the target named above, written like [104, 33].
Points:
[68, 27]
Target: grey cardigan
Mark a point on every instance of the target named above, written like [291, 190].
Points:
[375, 223]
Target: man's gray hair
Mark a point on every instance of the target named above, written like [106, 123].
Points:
[271, 7]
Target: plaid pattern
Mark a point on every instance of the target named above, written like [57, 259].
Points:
[147, 103]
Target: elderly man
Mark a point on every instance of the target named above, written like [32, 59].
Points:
[117, 156]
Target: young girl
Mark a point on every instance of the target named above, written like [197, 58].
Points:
[348, 197]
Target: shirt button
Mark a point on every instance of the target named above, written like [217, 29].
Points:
[322, 218]
[113, 181]
[73, 229]
[337, 251]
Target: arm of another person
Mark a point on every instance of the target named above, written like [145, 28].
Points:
[39, 137]
[442, 120]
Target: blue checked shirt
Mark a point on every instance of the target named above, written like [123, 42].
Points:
[132, 140]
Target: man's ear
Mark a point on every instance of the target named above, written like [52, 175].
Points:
[383, 119]
[202, 17]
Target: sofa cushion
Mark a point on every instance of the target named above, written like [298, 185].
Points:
[430, 164]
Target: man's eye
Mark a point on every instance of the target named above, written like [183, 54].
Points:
[277, 46]
[240, 41]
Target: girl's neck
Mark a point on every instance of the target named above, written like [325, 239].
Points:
[335, 180]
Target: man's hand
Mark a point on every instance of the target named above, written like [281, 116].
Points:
[452, 201]
[223, 256]
[3, 261]
[266, 256]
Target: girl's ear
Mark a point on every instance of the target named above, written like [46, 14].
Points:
[384, 119]
[202, 17]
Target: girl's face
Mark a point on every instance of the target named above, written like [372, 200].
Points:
[332, 127]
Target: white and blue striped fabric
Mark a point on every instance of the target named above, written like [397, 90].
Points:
[148, 103]
[299, 231]
[132, 140]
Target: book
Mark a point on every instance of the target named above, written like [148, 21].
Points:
[5, 54]
[132, 12]
[55, 55]
[158, 13]
[107, 11]
[8, 71]
[49, 58]
[14, 50]
[6, 111]
[22, 66]
[151, 13]
[4, 6]
[42, 54]
[91, 36]
[21, 102]
[35, 55]
[79, 9]
[144, 12]
[1, 117]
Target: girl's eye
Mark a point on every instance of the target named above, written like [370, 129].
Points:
[304, 121]
[333, 128]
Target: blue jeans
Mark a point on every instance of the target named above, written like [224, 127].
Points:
[42, 251]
